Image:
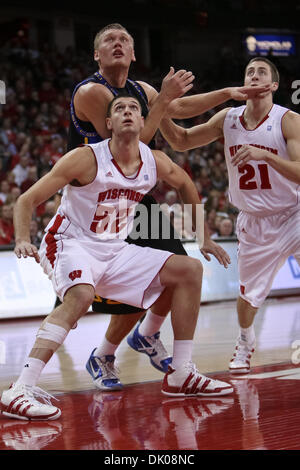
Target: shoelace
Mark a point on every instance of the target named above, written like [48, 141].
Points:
[191, 368]
[37, 392]
[242, 351]
[109, 368]
[156, 346]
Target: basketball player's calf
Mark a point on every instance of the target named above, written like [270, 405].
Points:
[145, 339]
[24, 400]
[245, 344]
[184, 276]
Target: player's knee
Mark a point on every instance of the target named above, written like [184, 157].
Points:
[81, 297]
[193, 272]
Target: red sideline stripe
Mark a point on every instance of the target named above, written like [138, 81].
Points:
[50, 239]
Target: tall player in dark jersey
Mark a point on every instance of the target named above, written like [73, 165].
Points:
[114, 52]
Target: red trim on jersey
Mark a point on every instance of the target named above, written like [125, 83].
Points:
[120, 170]
[242, 121]
[50, 239]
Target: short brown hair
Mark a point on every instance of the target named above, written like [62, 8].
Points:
[107, 28]
[121, 95]
[274, 70]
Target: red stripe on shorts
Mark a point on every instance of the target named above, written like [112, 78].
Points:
[50, 239]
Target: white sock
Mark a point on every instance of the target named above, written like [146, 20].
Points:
[247, 334]
[31, 371]
[151, 324]
[106, 348]
[182, 352]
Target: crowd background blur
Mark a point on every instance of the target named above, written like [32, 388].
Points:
[43, 55]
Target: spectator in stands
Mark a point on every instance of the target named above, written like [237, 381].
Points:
[32, 177]
[6, 225]
[45, 219]
[50, 208]
[226, 228]
[4, 191]
[21, 170]
[35, 234]
[210, 219]
[15, 192]
[218, 179]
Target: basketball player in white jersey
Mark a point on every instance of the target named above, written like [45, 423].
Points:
[84, 252]
[114, 52]
[262, 151]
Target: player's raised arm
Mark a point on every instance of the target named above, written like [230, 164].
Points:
[174, 85]
[71, 166]
[182, 139]
[180, 180]
[190, 106]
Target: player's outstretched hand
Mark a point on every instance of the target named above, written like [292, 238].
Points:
[24, 249]
[175, 85]
[210, 247]
[243, 93]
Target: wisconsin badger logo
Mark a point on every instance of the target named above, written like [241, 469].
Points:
[74, 274]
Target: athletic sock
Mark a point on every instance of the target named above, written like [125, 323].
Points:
[106, 348]
[247, 334]
[151, 324]
[182, 352]
[31, 372]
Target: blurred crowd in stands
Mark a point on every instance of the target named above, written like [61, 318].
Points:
[34, 126]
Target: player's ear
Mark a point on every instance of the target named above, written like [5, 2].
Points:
[274, 86]
[96, 55]
[108, 124]
[133, 56]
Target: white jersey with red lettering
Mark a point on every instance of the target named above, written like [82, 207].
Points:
[104, 209]
[85, 242]
[256, 187]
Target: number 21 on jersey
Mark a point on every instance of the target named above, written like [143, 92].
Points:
[247, 180]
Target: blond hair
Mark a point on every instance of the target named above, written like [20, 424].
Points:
[107, 28]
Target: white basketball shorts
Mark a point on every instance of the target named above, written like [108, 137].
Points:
[128, 275]
[265, 243]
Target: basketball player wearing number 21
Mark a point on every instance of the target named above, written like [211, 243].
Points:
[262, 151]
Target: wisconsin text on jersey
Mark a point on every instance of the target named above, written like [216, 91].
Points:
[117, 193]
[234, 148]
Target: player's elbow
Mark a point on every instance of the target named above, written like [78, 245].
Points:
[181, 143]
[174, 110]
[25, 201]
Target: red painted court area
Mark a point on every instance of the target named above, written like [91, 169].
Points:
[263, 413]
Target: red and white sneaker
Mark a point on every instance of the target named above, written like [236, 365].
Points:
[240, 362]
[187, 381]
[22, 402]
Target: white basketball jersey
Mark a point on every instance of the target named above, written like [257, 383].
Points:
[256, 187]
[104, 209]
